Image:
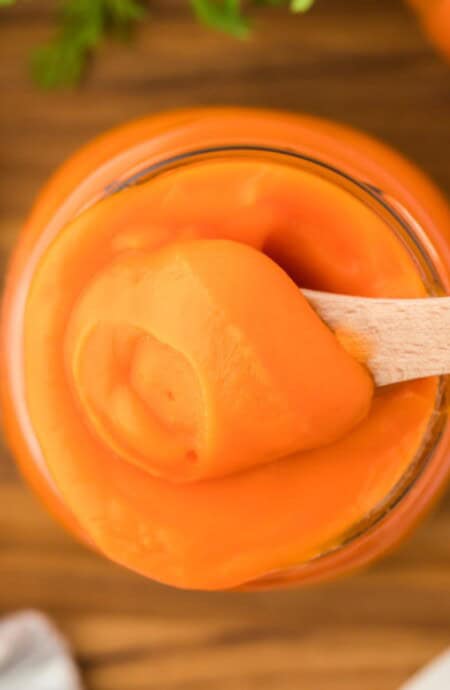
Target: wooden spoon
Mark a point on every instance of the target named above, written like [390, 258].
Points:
[397, 339]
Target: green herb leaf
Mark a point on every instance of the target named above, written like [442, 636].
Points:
[225, 15]
[301, 5]
[5, 3]
[121, 16]
[123, 11]
[83, 25]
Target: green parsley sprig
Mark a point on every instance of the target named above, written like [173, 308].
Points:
[83, 24]
[228, 15]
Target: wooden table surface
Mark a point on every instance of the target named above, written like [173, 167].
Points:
[365, 63]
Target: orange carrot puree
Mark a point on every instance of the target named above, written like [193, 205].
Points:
[198, 419]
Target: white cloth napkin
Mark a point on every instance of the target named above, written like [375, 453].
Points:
[435, 676]
[34, 655]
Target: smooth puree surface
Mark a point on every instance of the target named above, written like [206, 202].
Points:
[197, 418]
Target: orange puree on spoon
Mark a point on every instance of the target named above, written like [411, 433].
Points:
[203, 358]
[196, 416]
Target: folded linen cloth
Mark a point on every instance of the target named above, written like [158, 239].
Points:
[435, 676]
[34, 655]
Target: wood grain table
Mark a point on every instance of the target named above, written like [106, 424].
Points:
[364, 63]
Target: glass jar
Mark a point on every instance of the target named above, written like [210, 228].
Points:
[390, 186]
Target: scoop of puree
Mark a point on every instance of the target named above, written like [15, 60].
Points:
[198, 418]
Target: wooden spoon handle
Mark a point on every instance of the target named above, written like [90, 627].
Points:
[397, 339]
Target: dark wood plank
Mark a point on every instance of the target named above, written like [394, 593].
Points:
[363, 63]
